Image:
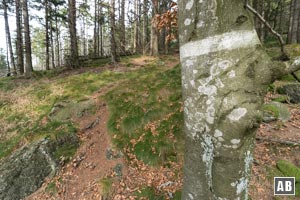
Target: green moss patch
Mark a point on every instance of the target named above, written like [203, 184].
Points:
[290, 170]
[146, 117]
[276, 110]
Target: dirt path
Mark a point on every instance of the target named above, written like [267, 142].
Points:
[81, 177]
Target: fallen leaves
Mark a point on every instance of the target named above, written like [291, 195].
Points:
[165, 180]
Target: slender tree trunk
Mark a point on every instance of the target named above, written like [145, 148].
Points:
[113, 45]
[11, 54]
[28, 63]
[96, 34]
[225, 75]
[7, 59]
[291, 19]
[73, 35]
[154, 31]
[101, 36]
[57, 46]
[122, 28]
[47, 38]
[99, 29]
[280, 17]
[293, 23]
[51, 40]
[136, 27]
[262, 33]
[19, 41]
[145, 26]
[297, 19]
[163, 31]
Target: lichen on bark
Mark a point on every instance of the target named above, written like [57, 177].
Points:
[225, 73]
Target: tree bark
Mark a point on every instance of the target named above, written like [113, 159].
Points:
[294, 22]
[47, 38]
[225, 75]
[122, 28]
[136, 27]
[96, 34]
[145, 27]
[19, 41]
[11, 54]
[51, 38]
[73, 35]
[113, 44]
[28, 63]
[57, 38]
[154, 31]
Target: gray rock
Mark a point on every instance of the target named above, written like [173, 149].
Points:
[275, 110]
[292, 91]
[25, 171]
[112, 154]
[70, 110]
[118, 169]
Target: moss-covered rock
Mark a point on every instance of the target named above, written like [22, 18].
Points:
[292, 91]
[70, 110]
[24, 172]
[281, 99]
[289, 169]
[274, 111]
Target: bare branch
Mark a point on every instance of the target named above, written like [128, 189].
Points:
[261, 18]
[271, 140]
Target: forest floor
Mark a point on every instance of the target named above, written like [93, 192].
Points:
[132, 143]
[275, 141]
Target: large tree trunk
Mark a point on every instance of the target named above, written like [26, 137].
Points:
[73, 35]
[19, 41]
[225, 75]
[11, 54]
[28, 63]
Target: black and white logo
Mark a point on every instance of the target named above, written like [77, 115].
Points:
[284, 185]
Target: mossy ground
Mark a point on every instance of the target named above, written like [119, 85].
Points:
[145, 110]
[146, 115]
[26, 103]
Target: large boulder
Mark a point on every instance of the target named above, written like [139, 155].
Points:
[292, 91]
[24, 172]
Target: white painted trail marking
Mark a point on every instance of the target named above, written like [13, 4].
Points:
[226, 41]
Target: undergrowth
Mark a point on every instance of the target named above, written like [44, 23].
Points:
[146, 115]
